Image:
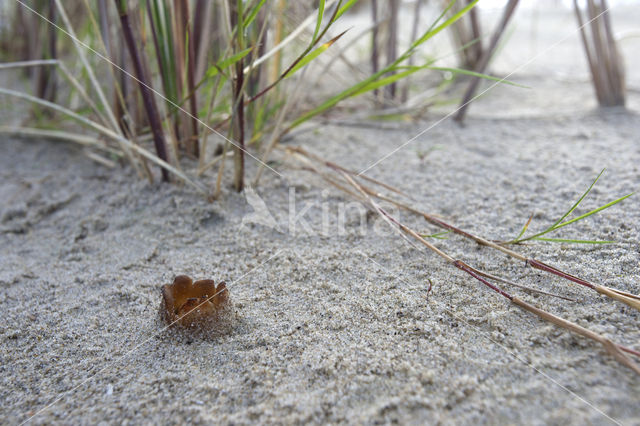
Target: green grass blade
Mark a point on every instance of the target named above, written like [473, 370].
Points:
[579, 201]
[313, 55]
[567, 240]
[343, 9]
[164, 50]
[386, 80]
[318, 20]
[254, 12]
[364, 86]
[438, 235]
[606, 206]
[523, 230]
[477, 74]
[223, 64]
[442, 15]
[453, 18]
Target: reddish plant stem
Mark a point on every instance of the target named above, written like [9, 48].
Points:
[238, 105]
[548, 268]
[144, 86]
[239, 98]
[629, 350]
[466, 268]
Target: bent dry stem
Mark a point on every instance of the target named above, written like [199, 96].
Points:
[365, 194]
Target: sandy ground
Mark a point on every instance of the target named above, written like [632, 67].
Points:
[333, 319]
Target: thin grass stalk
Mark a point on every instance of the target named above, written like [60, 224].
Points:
[87, 66]
[94, 156]
[210, 38]
[206, 131]
[330, 180]
[276, 63]
[144, 86]
[34, 42]
[28, 63]
[21, 30]
[128, 109]
[229, 23]
[103, 14]
[94, 81]
[259, 32]
[164, 37]
[103, 28]
[215, 160]
[375, 55]
[413, 36]
[476, 34]
[111, 134]
[192, 142]
[65, 72]
[484, 60]
[615, 59]
[392, 45]
[120, 110]
[467, 36]
[600, 54]
[186, 129]
[47, 82]
[143, 124]
[179, 35]
[201, 34]
[84, 140]
[277, 131]
[458, 33]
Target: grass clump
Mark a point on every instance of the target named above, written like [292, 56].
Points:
[201, 80]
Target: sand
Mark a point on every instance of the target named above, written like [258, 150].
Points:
[334, 323]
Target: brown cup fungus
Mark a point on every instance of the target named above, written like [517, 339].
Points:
[200, 305]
